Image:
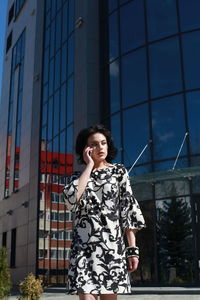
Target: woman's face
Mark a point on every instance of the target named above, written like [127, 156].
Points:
[98, 143]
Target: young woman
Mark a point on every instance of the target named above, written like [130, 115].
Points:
[105, 210]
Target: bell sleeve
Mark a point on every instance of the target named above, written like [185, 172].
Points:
[131, 215]
[70, 190]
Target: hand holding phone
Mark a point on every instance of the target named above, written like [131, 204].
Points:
[87, 152]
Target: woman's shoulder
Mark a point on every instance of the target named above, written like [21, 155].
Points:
[120, 169]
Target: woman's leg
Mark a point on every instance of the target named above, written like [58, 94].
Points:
[88, 297]
[108, 297]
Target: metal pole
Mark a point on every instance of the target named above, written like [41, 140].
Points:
[180, 150]
[139, 156]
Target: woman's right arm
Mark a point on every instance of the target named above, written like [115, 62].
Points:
[83, 179]
[76, 186]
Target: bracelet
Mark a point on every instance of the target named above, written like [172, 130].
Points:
[132, 251]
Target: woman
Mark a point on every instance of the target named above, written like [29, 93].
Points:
[105, 211]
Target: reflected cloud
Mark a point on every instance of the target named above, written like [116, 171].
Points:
[167, 136]
[114, 69]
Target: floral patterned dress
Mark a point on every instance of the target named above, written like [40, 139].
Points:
[97, 256]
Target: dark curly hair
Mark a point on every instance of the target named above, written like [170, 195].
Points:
[83, 136]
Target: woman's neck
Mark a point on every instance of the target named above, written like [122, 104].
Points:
[100, 165]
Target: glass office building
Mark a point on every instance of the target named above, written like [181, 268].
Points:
[132, 65]
[150, 73]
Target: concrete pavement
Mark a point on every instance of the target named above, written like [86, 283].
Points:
[143, 293]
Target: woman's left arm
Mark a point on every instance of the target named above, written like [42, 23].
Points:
[131, 238]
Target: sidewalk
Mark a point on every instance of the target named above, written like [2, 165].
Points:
[144, 293]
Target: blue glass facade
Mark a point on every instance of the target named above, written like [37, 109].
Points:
[17, 78]
[56, 144]
[151, 61]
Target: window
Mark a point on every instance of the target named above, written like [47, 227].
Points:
[165, 75]
[114, 86]
[113, 37]
[70, 101]
[13, 248]
[161, 18]
[189, 14]
[57, 198]
[174, 224]
[136, 134]
[60, 253]
[193, 108]
[116, 133]
[11, 14]
[54, 197]
[132, 25]
[134, 78]
[168, 127]
[53, 254]
[9, 42]
[67, 251]
[68, 235]
[61, 216]
[191, 49]
[43, 253]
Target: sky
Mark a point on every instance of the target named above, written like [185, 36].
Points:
[3, 17]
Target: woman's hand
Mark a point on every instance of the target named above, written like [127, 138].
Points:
[87, 155]
[132, 263]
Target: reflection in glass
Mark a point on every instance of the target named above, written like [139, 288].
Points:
[51, 77]
[134, 78]
[46, 66]
[171, 188]
[70, 61]
[71, 4]
[196, 185]
[58, 29]
[63, 105]
[189, 14]
[17, 75]
[116, 133]
[50, 118]
[64, 63]
[114, 86]
[140, 170]
[174, 240]
[132, 25]
[112, 4]
[165, 67]
[168, 164]
[191, 49]
[56, 158]
[168, 127]
[65, 21]
[135, 134]
[193, 108]
[52, 39]
[56, 111]
[70, 99]
[57, 70]
[161, 18]
[113, 36]
[146, 242]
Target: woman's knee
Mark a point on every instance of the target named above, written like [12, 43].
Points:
[108, 297]
[88, 297]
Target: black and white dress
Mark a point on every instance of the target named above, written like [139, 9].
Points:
[97, 256]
